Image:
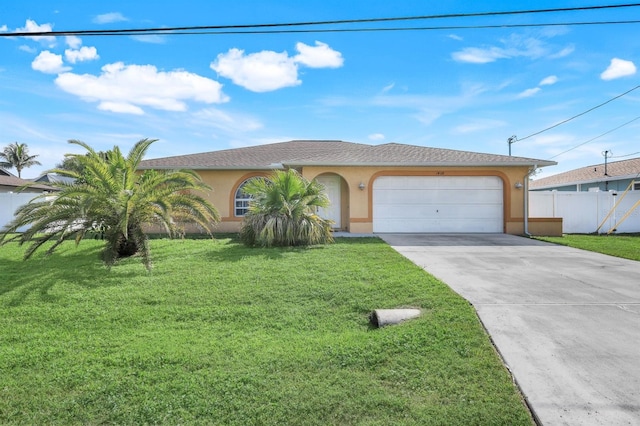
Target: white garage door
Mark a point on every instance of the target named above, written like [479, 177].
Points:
[437, 204]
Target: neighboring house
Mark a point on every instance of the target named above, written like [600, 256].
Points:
[11, 183]
[380, 188]
[615, 176]
[12, 196]
[54, 178]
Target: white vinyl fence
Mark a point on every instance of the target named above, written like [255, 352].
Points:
[9, 203]
[582, 212]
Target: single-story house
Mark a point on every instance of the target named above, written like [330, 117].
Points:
[381, 188]
[11, 183]
[12, 197]
[53, 178]
[612, 176]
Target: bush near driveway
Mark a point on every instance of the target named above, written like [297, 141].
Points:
[218, 333]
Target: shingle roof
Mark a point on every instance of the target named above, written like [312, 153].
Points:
[335, 153]
[7, 179]
[624, 169]
[54, 178]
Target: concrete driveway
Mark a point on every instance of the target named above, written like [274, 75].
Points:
[566, 321]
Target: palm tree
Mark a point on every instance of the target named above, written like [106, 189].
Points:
[283, 211]
[111, 198]
[17, 155]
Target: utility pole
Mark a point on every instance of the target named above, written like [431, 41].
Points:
[511, 141]
[606, 154]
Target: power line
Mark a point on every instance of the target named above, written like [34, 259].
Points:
[574, 117]
[599, 136]
[174, 30]
[355, 30]
[627, 155]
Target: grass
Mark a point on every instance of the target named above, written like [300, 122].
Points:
[626, 246]
[221, 334]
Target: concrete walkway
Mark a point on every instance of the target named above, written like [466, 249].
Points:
[566, 321]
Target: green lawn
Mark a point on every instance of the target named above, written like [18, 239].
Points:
[221, 334]
[627, 246]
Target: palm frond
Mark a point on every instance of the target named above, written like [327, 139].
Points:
[111, 195]
[283, 211]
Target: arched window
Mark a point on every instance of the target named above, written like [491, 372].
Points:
[242, 200]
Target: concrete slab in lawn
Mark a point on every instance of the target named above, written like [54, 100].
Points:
[566, 321]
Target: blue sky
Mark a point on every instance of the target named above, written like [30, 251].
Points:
[465, 89]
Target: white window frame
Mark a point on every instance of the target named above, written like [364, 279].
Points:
[241, 200]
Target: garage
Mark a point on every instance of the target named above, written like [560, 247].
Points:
[438, 204]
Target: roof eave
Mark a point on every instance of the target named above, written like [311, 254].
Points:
[273, 166]
[426, 164]
[246, 167]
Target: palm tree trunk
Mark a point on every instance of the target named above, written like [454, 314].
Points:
[126, 247]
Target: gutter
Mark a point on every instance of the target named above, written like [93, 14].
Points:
[525, 211]
[421, 164]
[178, 167]
[293, 164]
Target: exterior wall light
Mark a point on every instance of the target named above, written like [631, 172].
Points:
[361, 186]
[518, 185]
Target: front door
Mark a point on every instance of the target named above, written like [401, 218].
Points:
[332, 189]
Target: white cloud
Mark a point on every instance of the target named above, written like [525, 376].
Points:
[478, 125]
[388, 87]
[4, 28]
[529, 92]
[127, 88]
[49, 63]
[564, 52]
[376, 137]
[618, 68]
[558, 30]
[225, 121]
[150, 38]
[476, 55]
[120, 107]
[318, 56]
[108, 18]
[548, 81]
[83, 54]
[28, 49]
[427, 116]
[511, 47]
[267, 70]
[455, 37]
[33, 27]
[259, 72]
[73, 42]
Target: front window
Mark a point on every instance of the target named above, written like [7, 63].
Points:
[242, 200]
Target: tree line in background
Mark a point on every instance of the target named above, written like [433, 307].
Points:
[109, 197]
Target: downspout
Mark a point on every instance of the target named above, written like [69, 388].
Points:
[525, 212]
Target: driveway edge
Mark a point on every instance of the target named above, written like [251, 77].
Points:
[534, 415]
